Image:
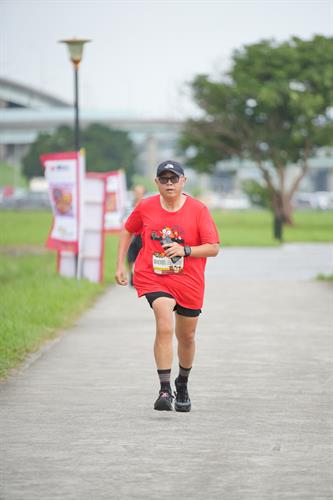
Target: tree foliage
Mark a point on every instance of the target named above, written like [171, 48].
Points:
[274, 107]
[258, 194]
[106, 149]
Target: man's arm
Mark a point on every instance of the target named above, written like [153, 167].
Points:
[124, 243]
[205, 250]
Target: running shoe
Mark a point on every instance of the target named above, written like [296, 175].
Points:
[164, 401]
[183, 402]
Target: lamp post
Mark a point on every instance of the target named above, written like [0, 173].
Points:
[75, 48]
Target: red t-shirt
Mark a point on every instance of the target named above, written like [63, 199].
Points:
[191, 225]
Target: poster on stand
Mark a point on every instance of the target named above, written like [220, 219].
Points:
[65, 173]
[116, 200]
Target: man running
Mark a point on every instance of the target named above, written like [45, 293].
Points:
[178, 234]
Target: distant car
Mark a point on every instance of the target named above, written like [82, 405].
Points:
[27, 200]
[323, 200]
[238, 201]
[302, 201]
[228, 201]
[319, 200]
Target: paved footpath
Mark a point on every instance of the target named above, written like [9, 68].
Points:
[78, 423]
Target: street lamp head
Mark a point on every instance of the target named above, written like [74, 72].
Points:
[75, 47]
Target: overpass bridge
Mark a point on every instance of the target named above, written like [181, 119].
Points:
[25, 112]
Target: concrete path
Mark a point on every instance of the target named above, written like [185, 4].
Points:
[78, 422]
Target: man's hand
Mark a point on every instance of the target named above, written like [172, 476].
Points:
[121, 276]
[174, 250]
[121, 271]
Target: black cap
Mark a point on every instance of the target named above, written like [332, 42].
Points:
[170, 166]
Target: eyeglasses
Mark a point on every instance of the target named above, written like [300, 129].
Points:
[164, 180]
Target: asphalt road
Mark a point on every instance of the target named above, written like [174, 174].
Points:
[77, 420]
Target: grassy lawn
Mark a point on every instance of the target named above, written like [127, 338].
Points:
[254, 228]
[325, 277]
[35, 302]
[24, 228]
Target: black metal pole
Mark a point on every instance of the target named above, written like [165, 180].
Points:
[77, 124]
[76, 138]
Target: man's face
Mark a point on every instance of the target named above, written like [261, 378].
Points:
[170, 185]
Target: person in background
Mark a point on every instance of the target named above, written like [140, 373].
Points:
[136, 243]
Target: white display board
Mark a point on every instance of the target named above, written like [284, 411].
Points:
[64, 173]
[89, 262]
[85, 206]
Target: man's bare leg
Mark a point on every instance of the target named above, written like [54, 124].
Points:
[185, 333]
[163, 310]
[163, 349]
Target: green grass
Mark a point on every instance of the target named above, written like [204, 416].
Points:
[244, 228]
[24, 228]
[35, 302]
[311, 226]
[325, 277]
[254, 228]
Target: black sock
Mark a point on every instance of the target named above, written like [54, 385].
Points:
[183, 374]
[164, 376]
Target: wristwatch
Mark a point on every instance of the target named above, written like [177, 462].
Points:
[187, 251]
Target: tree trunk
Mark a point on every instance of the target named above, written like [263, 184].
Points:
[284, 200]
[287, 197]
[280, 197]
[287, 211]
[278, 211]
[278, 228]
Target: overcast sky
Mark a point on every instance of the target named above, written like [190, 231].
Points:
[142, 52]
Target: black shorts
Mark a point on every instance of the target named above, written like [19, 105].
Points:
[183, 311]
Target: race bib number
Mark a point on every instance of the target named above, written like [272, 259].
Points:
[163, 265]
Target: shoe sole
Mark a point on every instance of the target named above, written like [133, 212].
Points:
[163, 405]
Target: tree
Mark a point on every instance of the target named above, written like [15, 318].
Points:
[106, 149]
[274, 107]
[258, 194]
[61, 140]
